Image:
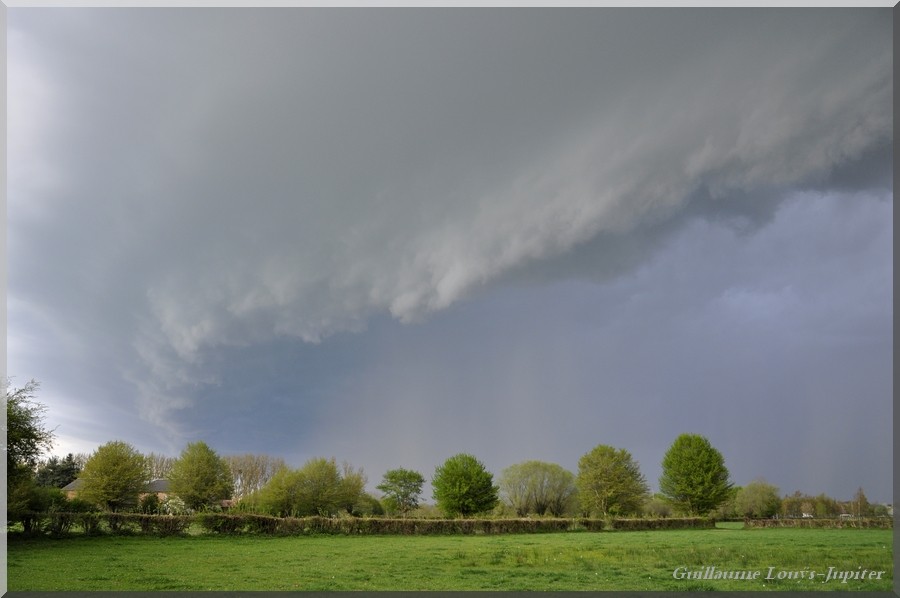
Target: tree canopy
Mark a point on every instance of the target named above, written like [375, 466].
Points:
[757, 499]
[402, 488]
[251, 472]
[114, 476]
[317, 488]
[200, 477]
[56, 472]
[462, 486]
[610, 482]
[351, 488]
[694, 477]
[538, 487]
[27, 438]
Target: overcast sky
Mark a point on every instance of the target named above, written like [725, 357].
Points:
[389, 236]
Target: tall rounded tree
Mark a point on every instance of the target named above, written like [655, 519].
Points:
[694, 477]
[757, 499]
[537, 487]
[462, 486]
[317, 488]
[26, 436]
[114, 476]
[402, 488]
[26, 439]
[610, 482]
[200, 477]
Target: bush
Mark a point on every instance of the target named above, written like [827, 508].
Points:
[220, 523]
[89, 522]
[170, 525]
[261, 524]
[58, 524]
[161, 525]
[655, 524]
[76, 505]
[150, 504]
[121, 523]
[174, 506]
[887, 523]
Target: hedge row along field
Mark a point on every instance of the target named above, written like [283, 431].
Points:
[220, 523]
[879, 523]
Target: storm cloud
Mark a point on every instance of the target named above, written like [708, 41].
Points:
[396, 234]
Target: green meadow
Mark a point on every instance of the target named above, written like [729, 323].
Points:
[639, 560]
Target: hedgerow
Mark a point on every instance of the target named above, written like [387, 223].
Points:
[250, 523]
[879, 523]
[662, 523]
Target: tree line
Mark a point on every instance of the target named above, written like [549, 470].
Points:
[609, 483]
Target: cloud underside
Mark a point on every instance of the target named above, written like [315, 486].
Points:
[238, 178]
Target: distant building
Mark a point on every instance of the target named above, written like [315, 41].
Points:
[159, 487]
[71, 489]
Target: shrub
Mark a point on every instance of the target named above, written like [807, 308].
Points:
[656, 524]
[221, 523]
[89, 521]
[886, 523]
[121, 523]
[261, 524]
[170, 525]
[58, 524]
[150, 504]
[146, 523]
[76, 505]
[173, 506]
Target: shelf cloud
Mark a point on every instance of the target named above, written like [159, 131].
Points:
[190, 187]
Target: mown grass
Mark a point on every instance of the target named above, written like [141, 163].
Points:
[566, 561]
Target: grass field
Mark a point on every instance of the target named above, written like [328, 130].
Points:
[569, 561]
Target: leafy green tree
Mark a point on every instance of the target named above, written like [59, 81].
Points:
[825, 506]
[757, 499]
[56, 472]
[796, 504]
[538, 487]
[321, 488]
[26, 435]
[402, 488]
[368, 506]
[657, 506]
[26, 439]
[200, 477]
[462, 486]
[251, 472]
[610, 482]
[859, 506]
[150, 504]
[351, 488]
[280, 495]
[694, 477]
[727, 509]
[314, 489]
[114, 476]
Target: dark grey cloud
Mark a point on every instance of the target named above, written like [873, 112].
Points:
[226, 217]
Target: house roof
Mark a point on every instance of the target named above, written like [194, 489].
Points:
[73, 485]
[158, 485]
